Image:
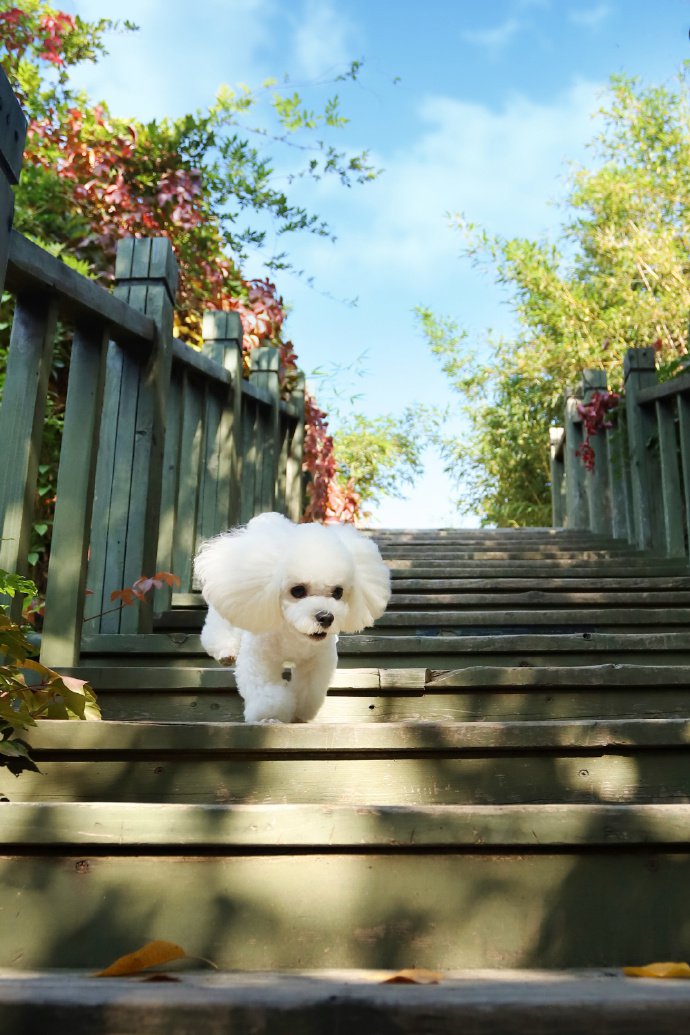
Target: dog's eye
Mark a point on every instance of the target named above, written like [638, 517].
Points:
[337, 592]
[298, 592]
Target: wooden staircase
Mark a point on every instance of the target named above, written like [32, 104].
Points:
[498, 780]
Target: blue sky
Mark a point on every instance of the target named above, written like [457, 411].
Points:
[468, 107]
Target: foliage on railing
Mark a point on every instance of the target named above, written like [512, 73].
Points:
[621, 464]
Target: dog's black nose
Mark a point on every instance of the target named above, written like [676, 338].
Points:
[324, 618]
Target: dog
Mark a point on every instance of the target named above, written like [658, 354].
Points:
[280, 592]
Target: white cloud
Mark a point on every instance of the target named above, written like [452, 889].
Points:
[324, 40]
[589, 17]
[494, 40]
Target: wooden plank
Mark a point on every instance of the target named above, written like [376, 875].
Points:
[170, 481]
[555, 676]
[640, 373]
[402, 779]
[294, 475]
[89, 825]
[480, 908]
[480, 1001]
[190, 359]
[21, 425]
[186, 511]
[33, 270]
[683, 408]
[672, 501]
[65, 597]
[481, 584]
[264, 373]
[222, 333]
[576, 511]
[359, 740]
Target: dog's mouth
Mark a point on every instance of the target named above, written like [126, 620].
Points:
[318, 636]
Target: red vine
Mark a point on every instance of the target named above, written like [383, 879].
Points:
[594, 419]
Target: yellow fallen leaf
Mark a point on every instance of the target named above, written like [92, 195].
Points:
[659, 970]
[153, 954]
[414, 976]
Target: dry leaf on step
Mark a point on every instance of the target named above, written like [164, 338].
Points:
[414, 976]
[153, 954]
[659, 970]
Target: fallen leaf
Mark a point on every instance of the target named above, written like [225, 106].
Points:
[414, 976]
[659, 970]
[150, 955]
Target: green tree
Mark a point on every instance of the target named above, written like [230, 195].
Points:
[617, 278]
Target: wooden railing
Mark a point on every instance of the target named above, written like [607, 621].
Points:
[162, 444]
[639, 488]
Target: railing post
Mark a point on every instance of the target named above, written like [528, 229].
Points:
[65, 595]
[12, 137]
[576, 510]
[640, 372]
[556, 445]
[129, 476]
[222, 332]
[294, 483]
[596, 481]
[15, 494]
[265, 366]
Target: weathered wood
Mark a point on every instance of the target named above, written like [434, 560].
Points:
[264, 373]
[488, 907]
[134, 826]
[683, 405]
[128, 487]
[189, 479]
[21, 425]
[672, 500]
[13, 127]
[476, 1001]
[596, 481]
[223, 342]
[294, 481]
[640, 372]
[65, 597]
[556, 441]
[619, 477]
[33, 270]
[576, 515]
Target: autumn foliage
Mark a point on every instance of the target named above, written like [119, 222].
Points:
[89, 179]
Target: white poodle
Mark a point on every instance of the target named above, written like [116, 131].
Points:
[280, 592]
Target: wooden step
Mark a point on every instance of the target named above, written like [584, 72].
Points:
[186, 693]
[408, 763]
[260, 887]
[478, 1002]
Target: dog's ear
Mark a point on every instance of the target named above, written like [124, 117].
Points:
[371, 589]
[240, 573]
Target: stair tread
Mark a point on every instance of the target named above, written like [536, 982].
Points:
[356, 739]
[132, 825]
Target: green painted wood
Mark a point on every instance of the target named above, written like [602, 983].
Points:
[250, 455]
[683, 409]
[135, 826]
[265, 374]
[32, 270]
[511, 777]
[169, 485]
[481, 908]
[294, 480]
[626, 619]
[222, 333]
[189, 479]
[572, 582]
[597, 488]
[640, 372]
[672, 500]
[576, 509]
[128, 499]
[21, 424]
[619, 477]
[13, 128]
[65, 597]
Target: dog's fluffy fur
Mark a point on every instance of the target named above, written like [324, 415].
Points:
[280, 592]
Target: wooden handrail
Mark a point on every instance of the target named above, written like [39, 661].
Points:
[639, 487]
